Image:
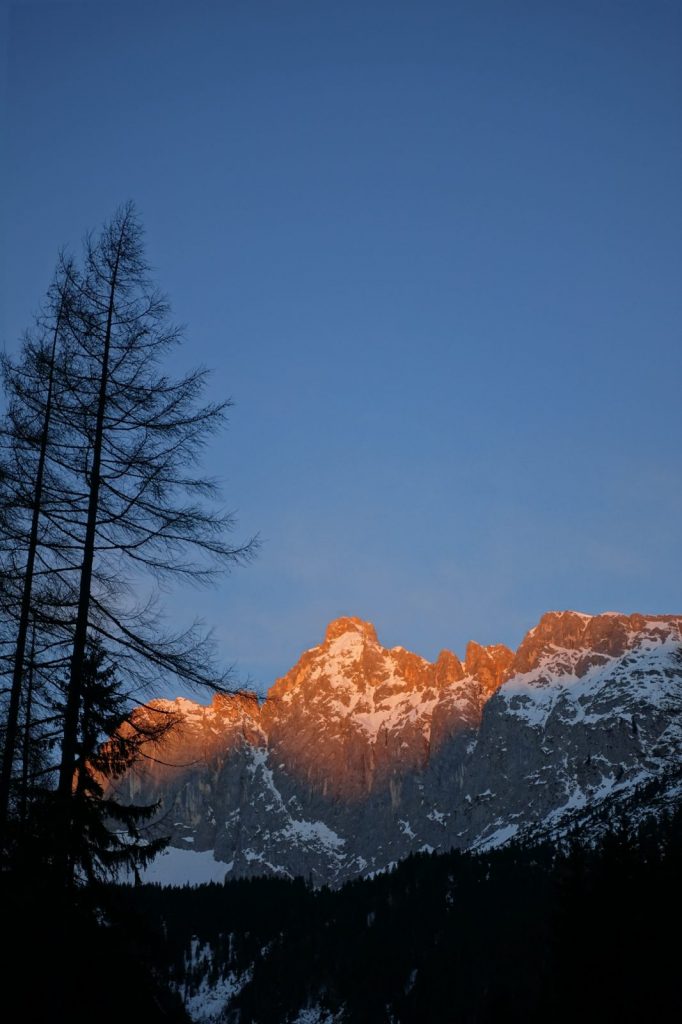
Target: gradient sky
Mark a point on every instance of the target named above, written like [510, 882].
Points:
[433, 252]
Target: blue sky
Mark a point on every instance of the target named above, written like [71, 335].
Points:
[433, 253]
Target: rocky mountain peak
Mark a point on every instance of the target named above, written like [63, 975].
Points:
[361, 754]
[490, 665]
[349, 624]
[447, 669]
[588, 640]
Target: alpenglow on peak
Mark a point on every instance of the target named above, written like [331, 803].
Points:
[361, 754]
[349, 624]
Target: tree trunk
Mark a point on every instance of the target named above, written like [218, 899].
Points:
[17, 675]
[26, 753]
[75, 685]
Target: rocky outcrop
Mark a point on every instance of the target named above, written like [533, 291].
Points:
[586, 640]
[351, 716]
[362, 754]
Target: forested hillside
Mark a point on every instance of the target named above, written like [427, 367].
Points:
[514, 934]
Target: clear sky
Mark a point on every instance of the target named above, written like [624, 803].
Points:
[432, 251]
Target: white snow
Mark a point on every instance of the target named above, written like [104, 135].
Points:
[533, 697]
[385, 870]
[498, 838]
[313, 832]
[386, 702]
[315, 1015]
[207, 1004]
[253, 856]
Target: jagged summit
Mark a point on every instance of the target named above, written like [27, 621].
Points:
[349, 624]
[598, 637]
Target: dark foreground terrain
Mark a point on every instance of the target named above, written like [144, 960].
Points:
[512, 935]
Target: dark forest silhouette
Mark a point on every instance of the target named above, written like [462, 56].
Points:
[100, 502]
[516, 934]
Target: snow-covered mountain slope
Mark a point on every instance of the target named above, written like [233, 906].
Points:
[360, 755]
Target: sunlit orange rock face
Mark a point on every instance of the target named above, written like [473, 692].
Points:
[198, 743]
[361, 754]
[352, 715]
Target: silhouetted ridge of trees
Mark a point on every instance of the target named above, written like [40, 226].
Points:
[525, 935]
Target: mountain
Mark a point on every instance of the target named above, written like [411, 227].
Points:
[361, 755]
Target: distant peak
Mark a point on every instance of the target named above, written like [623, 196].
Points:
[348, 624]
[608, 634]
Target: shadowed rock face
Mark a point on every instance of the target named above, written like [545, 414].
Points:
[360, 754]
